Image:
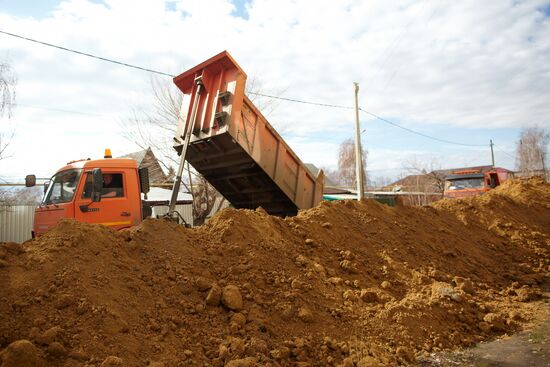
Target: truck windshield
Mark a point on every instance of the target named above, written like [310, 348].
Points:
[467, 183]
[62, 187]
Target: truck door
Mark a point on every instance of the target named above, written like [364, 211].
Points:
[116, 208]
[493, 179]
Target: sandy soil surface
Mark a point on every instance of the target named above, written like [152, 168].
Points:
[528, 348]
[343, 284]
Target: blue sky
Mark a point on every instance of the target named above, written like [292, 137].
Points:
[465, 71]
[42, 8]
[35, 9]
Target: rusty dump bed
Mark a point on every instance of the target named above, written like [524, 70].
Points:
[235, 148]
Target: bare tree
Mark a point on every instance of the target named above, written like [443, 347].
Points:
[208, 198]
[430, 177]
[5, 140]
[21, 196]
[265, 104]
[8, 81]
[155, 128]
[330, 175]
[347, 176]
[532, 150]
[378, 182]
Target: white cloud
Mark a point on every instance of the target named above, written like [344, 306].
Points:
[467, 64]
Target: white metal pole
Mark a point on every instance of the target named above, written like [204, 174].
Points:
[492, 154]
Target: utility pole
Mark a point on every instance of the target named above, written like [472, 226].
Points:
[358, 150]
[543, 165]
[492, 153]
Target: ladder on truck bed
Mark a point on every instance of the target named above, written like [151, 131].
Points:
[228, 141]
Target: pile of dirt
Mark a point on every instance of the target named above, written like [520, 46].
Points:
[343, 284]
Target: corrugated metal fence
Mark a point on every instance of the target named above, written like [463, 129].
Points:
[16, 222]
[186, 211]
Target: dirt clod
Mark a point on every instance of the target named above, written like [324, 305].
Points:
[305, 314]
[21, 353]
[214, 296]
[56, 350]
[112, 361]
[232, 298]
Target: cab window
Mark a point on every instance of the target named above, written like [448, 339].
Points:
[466, 183]
[62, 187]
[113, 186]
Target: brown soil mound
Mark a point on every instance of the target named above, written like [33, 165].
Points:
[343, 284]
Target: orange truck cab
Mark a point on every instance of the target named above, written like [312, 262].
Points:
[103, 191]
[465, 183]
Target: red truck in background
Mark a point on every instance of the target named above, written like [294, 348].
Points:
[472, 182]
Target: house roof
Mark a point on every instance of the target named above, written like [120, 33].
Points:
[315, 171]
[138, 156]
[428, 178]
[412, 180]
[335, 190]
[146, 158]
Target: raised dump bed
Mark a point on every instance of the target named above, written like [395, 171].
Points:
[234, 147]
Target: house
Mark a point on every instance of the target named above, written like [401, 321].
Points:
[428, 187]
[146, 158]
[429, 182]
[159, 197]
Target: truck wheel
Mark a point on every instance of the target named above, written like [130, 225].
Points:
[146, 209]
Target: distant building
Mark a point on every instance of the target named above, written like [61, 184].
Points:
[146, 158]
[430, 182]
[159, 197]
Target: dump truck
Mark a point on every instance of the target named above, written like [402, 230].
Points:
[220, 133]
[228, 141]
[105, 191]
[471, 182]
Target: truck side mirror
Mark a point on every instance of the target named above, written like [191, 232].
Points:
[30, 180]
[97, 184]
[144, 179]
[46, 185]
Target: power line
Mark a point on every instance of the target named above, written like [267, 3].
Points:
[87, 54]
[62, 110]
[508, 154]
[385, 56]
[419, 133]
[400, 65]
[254, 93]
[304, 102]
[373, 115]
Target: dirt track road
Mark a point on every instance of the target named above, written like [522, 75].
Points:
[530, 348]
